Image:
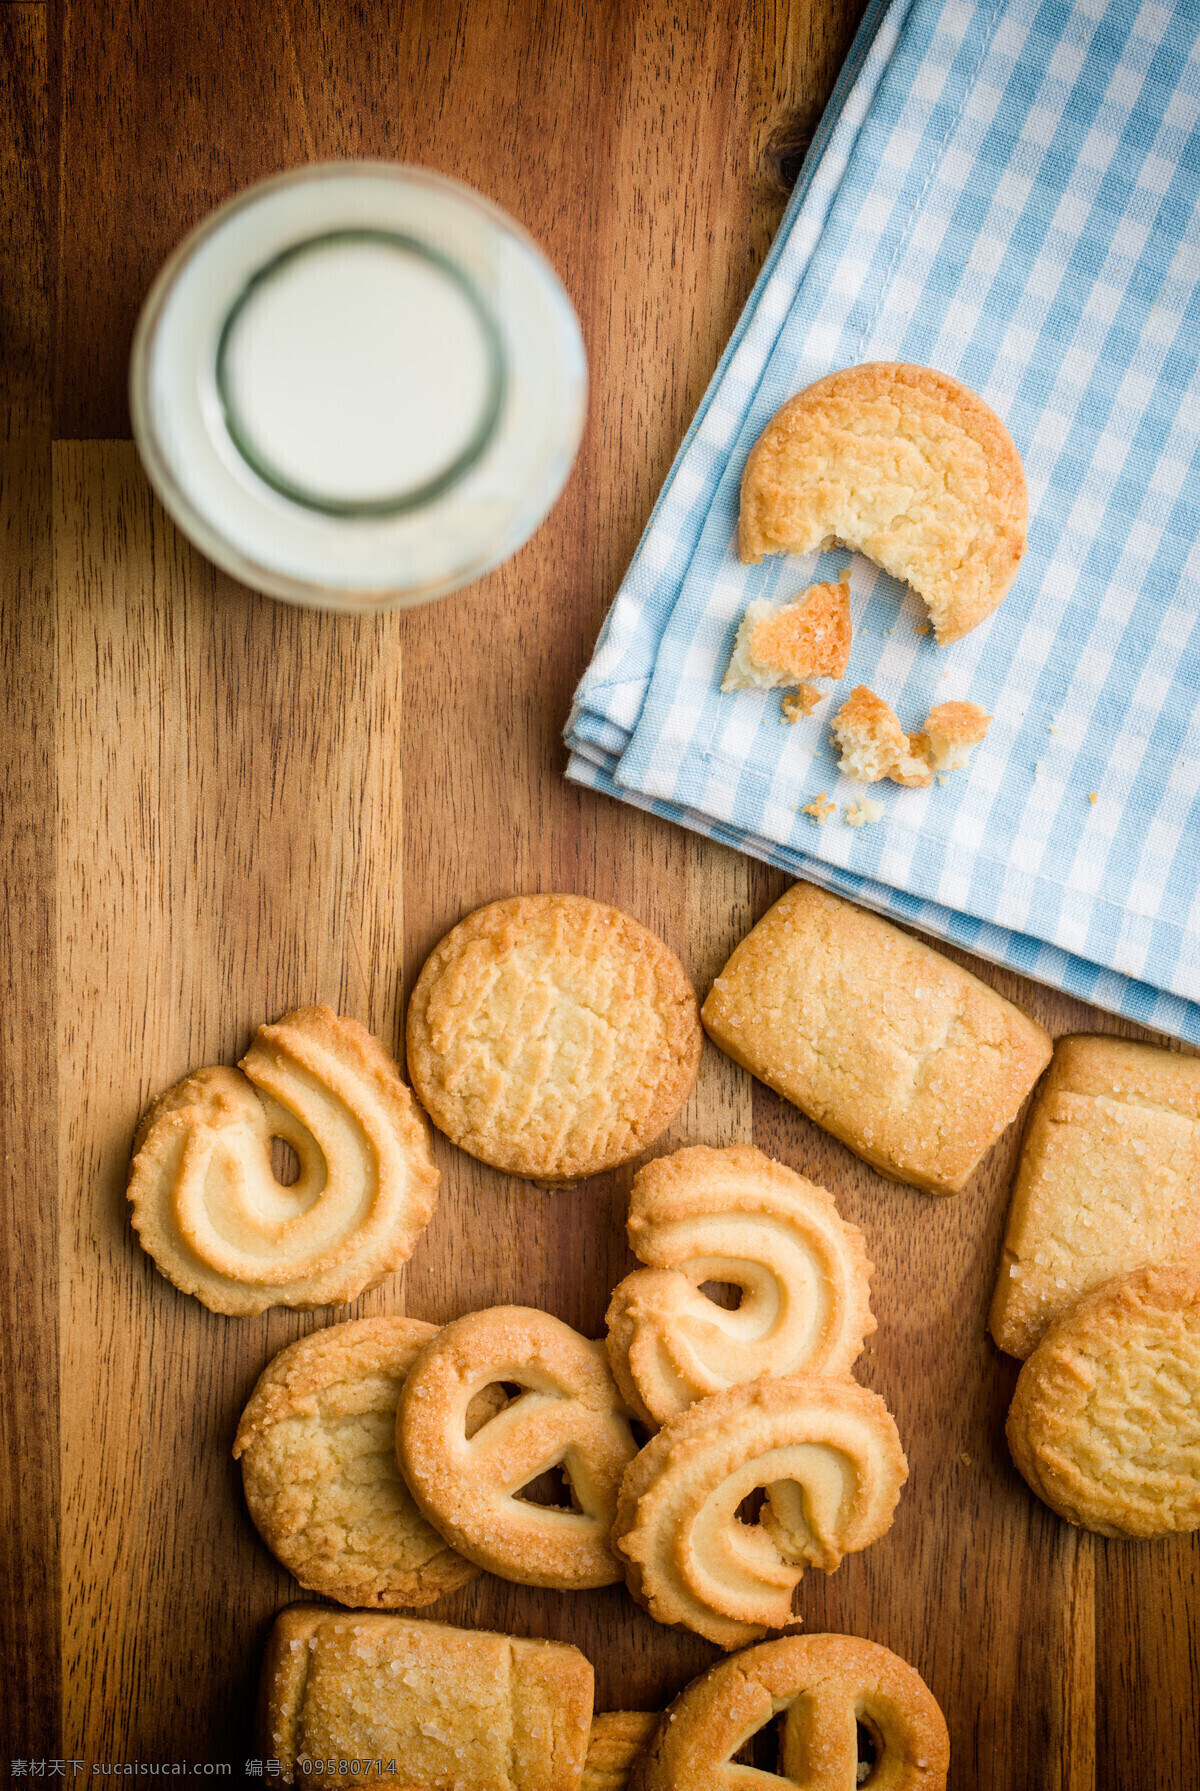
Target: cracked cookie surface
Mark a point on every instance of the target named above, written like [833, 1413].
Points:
[1105, 1421]
[317, 1448]
[552, 1036]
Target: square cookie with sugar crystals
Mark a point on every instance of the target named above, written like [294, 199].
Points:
[456, 1709]
[1108, 1180]
[908, 1059]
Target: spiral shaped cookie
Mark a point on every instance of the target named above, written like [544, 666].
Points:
[826, 1686]
[829, 1457]
[209, 1210]
[736, 1216]
[566, 1414]
[317, 1444]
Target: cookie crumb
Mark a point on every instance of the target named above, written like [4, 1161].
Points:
[965, 1459]
[951, 734]
[802, 702]
[924, 628]
[819, 809]
[778, 645]
[1093, 798]
[862, 812]
[873, 745]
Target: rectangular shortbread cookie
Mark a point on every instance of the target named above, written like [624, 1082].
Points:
[1108, 1180]
[914, 1063]
[456, 1709]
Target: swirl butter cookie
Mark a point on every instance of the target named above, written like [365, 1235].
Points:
[455, 1709]
[317, 1444]
[566, 1414]
[552, 1037]
[829, 1458]
[210, 1211]
[733, 1216]
[905, 465]
[828, 1689]
[1105, 1421]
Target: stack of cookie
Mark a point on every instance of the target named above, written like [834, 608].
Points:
[705, 1454]
[1099, 1289]
[385, 1461]
[757, 1401]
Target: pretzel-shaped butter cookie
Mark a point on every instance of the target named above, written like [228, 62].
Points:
[568, 1413]
[827, 1453]
[208, 1208]
[733, 1215]
[826, 1686]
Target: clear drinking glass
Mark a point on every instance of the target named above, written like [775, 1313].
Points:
[358, 385]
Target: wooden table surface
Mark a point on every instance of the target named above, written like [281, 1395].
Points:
[215, 807]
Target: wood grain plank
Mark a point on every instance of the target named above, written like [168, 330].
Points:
[1148, 1648]
[233, 837]
[26, 244]
[30, 1678]
[229, 845]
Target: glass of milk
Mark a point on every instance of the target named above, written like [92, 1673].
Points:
[358, 385]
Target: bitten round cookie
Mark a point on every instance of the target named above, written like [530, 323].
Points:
[904, 465]
[552, 1037]
[566, 1414]
[828, 1456]
[1105, 1421]
[209, 1209]
[826, 1687]
[733, 1216]
[317, 1444]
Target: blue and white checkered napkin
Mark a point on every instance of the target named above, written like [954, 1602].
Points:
[1009, 191]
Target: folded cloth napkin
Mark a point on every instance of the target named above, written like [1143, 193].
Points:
[1009, 191]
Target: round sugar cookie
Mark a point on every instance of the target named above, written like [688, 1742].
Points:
[904, 465]
[552, 1037]
[317, 1448]
[826, 1689]
[1105, 1421]
[206, 1204]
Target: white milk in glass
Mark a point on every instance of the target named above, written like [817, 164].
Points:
[358, 385]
